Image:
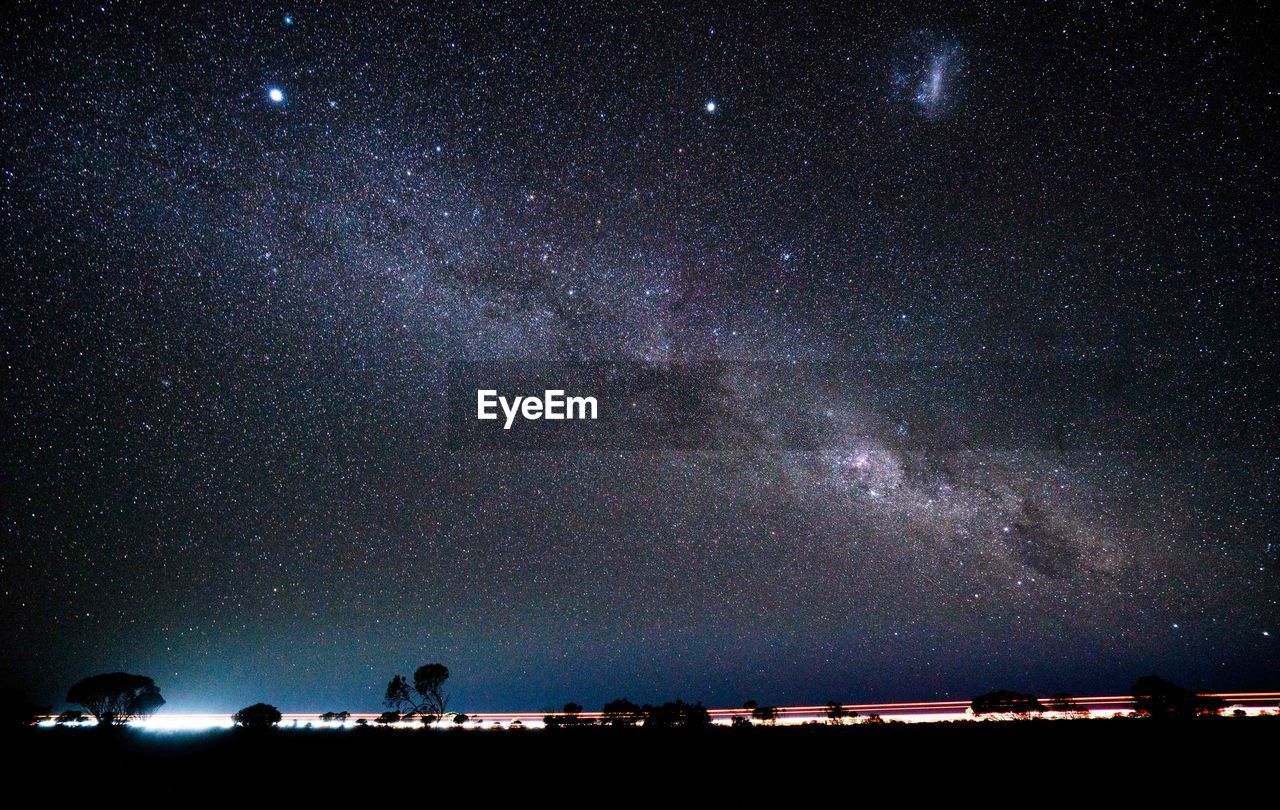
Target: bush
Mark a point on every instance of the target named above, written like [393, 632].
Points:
[258, 716]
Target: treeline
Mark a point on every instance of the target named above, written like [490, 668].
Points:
[1152, 695]
[118, 698]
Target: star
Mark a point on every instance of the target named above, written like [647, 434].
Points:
[884, 277]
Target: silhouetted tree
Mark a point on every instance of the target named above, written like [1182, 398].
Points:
[115, 698]
[1062, 703]
[836, 713]
[1153, 696]
[695, 716]
[336, 717]
[70, 716]
[569, 715]
[621, 712]
[765, 714]
[460, 718]
[426, 698]
[677, 714]
[387, 718]
[1004, 701]
[258, 717]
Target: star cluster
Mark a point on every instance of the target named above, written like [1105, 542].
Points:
[985, 301]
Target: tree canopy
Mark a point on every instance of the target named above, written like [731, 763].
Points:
[677, 714]
[258, 716]
[115, 698]
[425, 698]
[621, 712]
[836, 713]
[1003, 701]
[1155, 697]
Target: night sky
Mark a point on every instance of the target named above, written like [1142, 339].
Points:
[983, 304]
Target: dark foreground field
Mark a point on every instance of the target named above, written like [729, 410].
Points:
[1071, 755]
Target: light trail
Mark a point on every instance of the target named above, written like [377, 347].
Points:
[1251, 703]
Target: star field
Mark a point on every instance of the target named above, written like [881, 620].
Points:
[984, 302]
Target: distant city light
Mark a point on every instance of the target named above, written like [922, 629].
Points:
[1251, 703]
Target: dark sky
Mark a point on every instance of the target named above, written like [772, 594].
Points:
[982, 306]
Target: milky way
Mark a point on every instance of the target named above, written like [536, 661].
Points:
[979, 310]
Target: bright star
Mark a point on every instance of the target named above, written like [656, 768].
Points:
[276, 95]
[711, 106]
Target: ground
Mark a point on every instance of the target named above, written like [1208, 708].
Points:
[1115, 755]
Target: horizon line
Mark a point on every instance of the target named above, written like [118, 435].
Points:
[908, 711]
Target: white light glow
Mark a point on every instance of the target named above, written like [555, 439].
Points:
[1250, 703]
